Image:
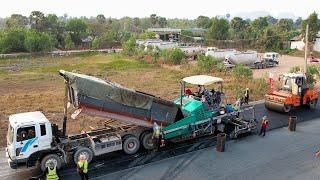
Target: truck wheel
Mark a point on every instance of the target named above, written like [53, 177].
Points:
[51, 157]
[83, 150]
[147, 141]
[130, 144]
[313, 104]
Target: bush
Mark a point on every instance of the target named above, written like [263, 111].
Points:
[207, 63]
[313, 72]
[12, 40]
[165, 54]
[176, 55]
[129, 47]
[295, 69]
[69, 44]
[242, 72]
[38, 42]
[96, 43]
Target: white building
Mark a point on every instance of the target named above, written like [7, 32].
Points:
[316, 46]
[297, 43]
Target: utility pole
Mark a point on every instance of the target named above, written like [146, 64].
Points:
[306, 49]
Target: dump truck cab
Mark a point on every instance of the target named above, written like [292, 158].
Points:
[28, 133]
[294, 92]
[271, 57]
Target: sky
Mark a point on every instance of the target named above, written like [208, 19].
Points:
[166, 8]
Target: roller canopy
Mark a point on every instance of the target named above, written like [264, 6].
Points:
[202, 80]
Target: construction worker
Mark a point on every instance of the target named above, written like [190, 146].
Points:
[246, 96]
[51, 171]
[82, 167]
[156, 134]
[264, 125]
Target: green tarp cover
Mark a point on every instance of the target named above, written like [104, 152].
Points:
[107, 91]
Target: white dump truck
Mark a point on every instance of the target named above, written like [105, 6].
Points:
[251, 59]
[218, 53]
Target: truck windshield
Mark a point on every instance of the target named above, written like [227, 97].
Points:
[10, 135]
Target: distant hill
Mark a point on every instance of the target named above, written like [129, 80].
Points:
[256, 14]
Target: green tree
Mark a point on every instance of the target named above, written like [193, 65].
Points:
[272, 20]
[162, 21]
[56, 28]
[314, 26]
[17, 21]
[203, 22]
[77, 29]
[272, 39]
[153, 20]
[101, 19]
[37, 20]
[38, 41]
[219, 29]
[260, 24]
[239, 26]
[69, 44]
[285, 25]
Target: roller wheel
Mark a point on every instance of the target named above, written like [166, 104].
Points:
[131, 144]
[313, 104]
[286, 108]
[147, 141]
[51, 157]
[83, 150]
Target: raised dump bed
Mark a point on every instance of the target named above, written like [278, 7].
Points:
[110, 100]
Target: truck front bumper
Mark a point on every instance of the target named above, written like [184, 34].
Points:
[12, 163]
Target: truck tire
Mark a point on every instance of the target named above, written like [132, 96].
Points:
[51, 157]
[83, 150]
[131, 144]
[147, 141]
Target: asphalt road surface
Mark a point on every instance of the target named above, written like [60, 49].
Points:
[117, 161]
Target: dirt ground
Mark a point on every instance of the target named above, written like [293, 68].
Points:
[286, 63]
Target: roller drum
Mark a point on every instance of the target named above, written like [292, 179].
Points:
[276, 106]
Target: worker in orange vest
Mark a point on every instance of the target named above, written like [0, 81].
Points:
[264, 125]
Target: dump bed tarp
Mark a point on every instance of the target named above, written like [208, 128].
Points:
[110, 100]
[106, 90]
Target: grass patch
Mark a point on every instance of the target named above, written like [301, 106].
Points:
[3, 72]
[122, 65]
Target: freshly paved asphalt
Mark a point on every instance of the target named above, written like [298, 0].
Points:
[279, 155]
[119, 162]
